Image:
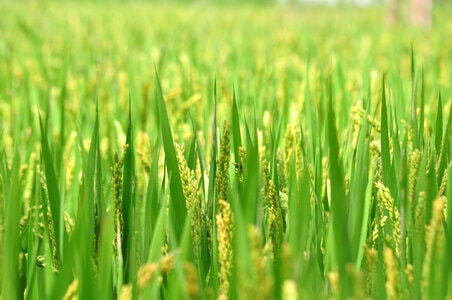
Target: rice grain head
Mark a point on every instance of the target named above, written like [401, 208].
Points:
[225, 251]
[435, 240]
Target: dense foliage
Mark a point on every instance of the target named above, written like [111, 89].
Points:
[223, 152]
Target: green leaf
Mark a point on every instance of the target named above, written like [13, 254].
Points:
[421, 115]
[339, 203]
[388, 170]
[439, 124]
[152, 203]
[87, 217]
[105, 263]
[11, 243]
[359, 209]
[129, 209]
[251, 179]
[158, 241]
[236, 136]
[177, 209]
[213, 159]
[447, 271]
[52, 189]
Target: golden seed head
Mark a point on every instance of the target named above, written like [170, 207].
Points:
[240, 165]
[193, 199]
[375, 149]
[222, 178]
[104, 146]
[371, 256]
[116, 186]
[391, 268]
[419, 213]
[225, 254]
[126, 292]
[29, 181]
[414, 158]
[261, 282]
[333, 278]
[144, 151]
[191, 281]
[148, 271]
[69, 223]
[289, 290]
[357, 277]
[72, 291]
[435, 237]
[394, 215]
[51, 227]
[22, 171]
[409, 272]
[120, 135]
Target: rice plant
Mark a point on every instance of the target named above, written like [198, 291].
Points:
[218, 152]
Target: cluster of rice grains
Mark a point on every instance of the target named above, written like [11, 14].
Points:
[306, 193]
[403, 226]
[390, 246]
[403, 235]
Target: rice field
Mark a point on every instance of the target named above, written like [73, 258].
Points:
[193, 151]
